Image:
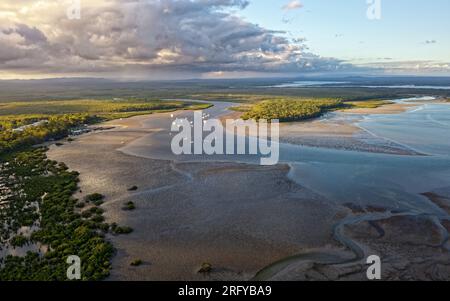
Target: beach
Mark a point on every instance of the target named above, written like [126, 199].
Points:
[341, 130]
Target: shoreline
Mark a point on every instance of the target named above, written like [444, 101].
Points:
[393, 108]
[239, 215]
[339, 130]
[190, 213]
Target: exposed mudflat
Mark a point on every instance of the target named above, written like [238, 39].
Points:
[237, 217]
[249, 220]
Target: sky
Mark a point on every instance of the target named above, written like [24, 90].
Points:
[409, 32]
[175, 39]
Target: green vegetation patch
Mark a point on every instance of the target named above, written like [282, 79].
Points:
[23, 124]
[95, 198]
[206, 268]
[129, 206]
[369, 104]
[115, 229]
[290, 109]
[242, 109]
[22, 131]
[91, 107]
[19, 241]
[136, 262]
[42, 200]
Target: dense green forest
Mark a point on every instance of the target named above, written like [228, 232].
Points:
[88, 106]
[290, 110]
[24, 131]
[295, 109]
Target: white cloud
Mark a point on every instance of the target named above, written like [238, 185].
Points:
[295, 4]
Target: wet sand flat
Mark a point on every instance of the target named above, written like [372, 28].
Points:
[337, 132]
[393, 108]
[237, 217]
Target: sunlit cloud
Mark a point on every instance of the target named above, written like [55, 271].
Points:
[293, 5]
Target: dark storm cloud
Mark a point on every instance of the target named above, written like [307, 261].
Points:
[197, 36]
[31, 35]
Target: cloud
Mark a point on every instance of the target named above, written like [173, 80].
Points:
[295, 4]
[411, 67]
[146, 38]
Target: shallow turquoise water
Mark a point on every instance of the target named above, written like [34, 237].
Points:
[379, 179]
[425, 129]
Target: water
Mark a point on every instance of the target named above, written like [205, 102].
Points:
[299, 84]
[410, 87]
[342, 176]
[337, 84]
[373, 179]
[379, 179]
[425, 129]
